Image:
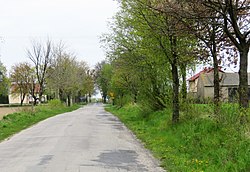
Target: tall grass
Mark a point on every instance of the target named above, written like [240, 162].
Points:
[198, 143]
[16, 122]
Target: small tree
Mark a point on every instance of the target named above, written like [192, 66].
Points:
[21, 78]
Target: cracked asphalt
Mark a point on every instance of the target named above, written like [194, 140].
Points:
[86, 140]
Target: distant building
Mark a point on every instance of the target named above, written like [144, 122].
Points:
[15, 97]
[193, 81]
[201, 85]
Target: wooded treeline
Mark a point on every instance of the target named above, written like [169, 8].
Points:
[152, 44]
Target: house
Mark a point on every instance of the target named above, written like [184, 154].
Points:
[193, 81]
[15, 97]
[229, 83]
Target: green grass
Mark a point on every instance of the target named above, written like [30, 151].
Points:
[16, 122]
[198, 143]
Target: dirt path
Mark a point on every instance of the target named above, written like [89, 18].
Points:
[8, 110]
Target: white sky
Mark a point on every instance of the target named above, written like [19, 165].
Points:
[78, 23]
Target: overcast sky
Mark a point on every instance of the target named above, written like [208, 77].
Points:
[78, 23]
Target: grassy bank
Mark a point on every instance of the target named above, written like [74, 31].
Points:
[16, 122]
[198, 143]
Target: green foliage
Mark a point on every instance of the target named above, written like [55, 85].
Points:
[55, 103]
[146, 49]
[16, 122]
[22, 78]
[4, 84]
[197, 143]
[68, 78]
[103, 75]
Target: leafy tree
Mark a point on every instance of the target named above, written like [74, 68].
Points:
[221, 26]
[103, 74]
[205, 24]
[156, 42]
[134, 61]
[235, 24]
[124, 79]
[4, 83]
[22, 81]
[67, 78]
[63, 73]
[86, 85]
[237, 27]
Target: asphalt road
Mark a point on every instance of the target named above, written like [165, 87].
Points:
[86, 140]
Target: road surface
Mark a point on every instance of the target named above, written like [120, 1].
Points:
[86, 140]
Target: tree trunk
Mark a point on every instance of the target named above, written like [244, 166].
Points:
[34, 100]
[184, 81]
[22, 98]
[175, 78]
[104, 98]
[243, 78]
[135, 97]
[176, 108]
[121, 100]
[41, 90]
[61, 95]
[213, 50]
[216, 88]
[69, 100]
[90, 98]
[40, 97]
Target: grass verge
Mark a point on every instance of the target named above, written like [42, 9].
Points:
[16, 122]
[198, 143]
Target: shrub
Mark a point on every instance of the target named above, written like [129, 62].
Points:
[55, 103]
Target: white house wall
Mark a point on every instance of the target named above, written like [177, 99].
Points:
[209, 93]
[15, 99]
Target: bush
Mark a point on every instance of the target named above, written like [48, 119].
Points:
[55, 103]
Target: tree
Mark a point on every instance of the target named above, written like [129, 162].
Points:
[205, 24]
[41, 56]
[4, 84]
[137, 63]
[85, 81]
[235, 24]
[21, 77]
[88, 83]
[67, 78]
[158, 35]
[103, 73]
[237, 27]
[63, 73]
[125, 80]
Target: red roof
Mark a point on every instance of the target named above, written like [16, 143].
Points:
[205, 70]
